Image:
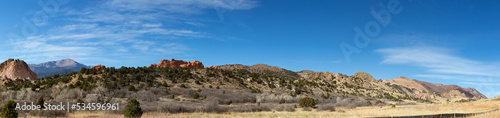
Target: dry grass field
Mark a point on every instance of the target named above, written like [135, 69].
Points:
[375, 111]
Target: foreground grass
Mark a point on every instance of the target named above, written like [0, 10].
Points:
[375, 111]
[427, 109]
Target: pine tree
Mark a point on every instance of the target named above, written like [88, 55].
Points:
[40, 102]
[8, 110]
[133, 109]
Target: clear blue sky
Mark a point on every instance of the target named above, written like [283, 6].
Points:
[441, 42]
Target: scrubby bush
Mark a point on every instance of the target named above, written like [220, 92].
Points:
[326, 107]
[80, 101]
[143, 95]
[8, 95]
[8, 110]
[196, 96]
[238, 96]
[131, 88]
[281, 101]
[352, 102]
[325, 96]
[307, 102]
[306, 109]
[276, 98]
[40, 101]
[380, 103]
[67, 94]
[133, 109]
[174, 107]
[120, 93]
[288, 108]
[250, 108]
[26, 94]
[160, 91]
[212, 105]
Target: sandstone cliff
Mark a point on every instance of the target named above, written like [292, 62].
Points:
[16, 69]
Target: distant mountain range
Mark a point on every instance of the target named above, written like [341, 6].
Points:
[61, 67]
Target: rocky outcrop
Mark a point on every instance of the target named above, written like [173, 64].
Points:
[178, 64]
[99, 67]
[213, 67]
[317, 75]
[16, 69]
[455, 94]
[475, 93]
[365, 77]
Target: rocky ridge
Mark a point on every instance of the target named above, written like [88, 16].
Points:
[434, 91]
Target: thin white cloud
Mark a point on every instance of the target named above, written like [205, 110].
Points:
[78, 40]
[171, 48]
[437, 60]
[481, 83]
[152, 25]
[458, 77]
[447, 77]
[442, 63]
[122, 27]
[195, 23]
[180, 6]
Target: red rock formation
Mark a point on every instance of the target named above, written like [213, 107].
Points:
[16, 69]
[99, 67]
[214, 67]
[153, 66]
[178, 64]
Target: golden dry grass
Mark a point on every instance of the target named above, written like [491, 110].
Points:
[495, 114]
[408, 110]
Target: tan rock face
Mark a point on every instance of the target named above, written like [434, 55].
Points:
[16, 69]
[99, 67]
[364, 76]
[178, 64]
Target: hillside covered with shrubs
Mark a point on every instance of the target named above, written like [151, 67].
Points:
[230, 88]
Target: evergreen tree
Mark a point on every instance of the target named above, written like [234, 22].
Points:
[8, 110]
[133, 109]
